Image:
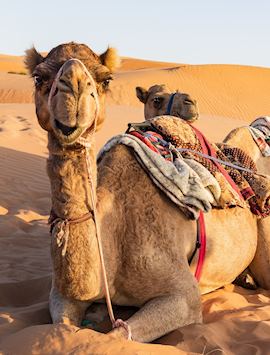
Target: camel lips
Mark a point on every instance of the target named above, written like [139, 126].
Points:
[66, 130]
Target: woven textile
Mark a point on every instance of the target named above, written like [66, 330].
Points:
[254, 188]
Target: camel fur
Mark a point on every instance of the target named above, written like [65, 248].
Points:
[146, 241]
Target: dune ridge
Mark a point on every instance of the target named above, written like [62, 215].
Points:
[239, 92]
[235, 91]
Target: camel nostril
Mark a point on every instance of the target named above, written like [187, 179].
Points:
[64, 85]
[66, 130]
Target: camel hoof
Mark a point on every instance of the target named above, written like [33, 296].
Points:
[119, 333]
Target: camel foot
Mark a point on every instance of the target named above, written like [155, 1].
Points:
[119, 333]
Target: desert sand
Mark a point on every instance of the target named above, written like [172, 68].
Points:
[236, 321]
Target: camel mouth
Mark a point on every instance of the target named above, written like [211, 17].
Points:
[193, 117]
[186, 116]
[66, 130]
[191, 112]
[65, 134]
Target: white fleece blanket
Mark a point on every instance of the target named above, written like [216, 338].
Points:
[186, 182]
[260, 131]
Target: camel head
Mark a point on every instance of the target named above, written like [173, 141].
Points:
[70, 87]
[156, 101]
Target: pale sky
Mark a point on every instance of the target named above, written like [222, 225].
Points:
[181, 31]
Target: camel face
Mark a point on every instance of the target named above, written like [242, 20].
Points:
[70, 85]
[157, 98]
[73, 102]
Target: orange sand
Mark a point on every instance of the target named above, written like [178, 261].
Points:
[236, 321]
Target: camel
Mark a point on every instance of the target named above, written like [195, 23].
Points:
[146, 241]
[239, 137]
[156, 101]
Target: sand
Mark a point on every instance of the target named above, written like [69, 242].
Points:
[236, 321]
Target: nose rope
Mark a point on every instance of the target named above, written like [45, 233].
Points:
[116, 323]
[86, 143]
[169, 107]
[54, 87]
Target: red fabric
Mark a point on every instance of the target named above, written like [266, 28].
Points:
[202, 247]
[151, 139]
[145, 140]
[208, 149]
[247, 193]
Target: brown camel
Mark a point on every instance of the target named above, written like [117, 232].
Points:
[147, 242]
[156, 101]
[260, 266]
[239, 137]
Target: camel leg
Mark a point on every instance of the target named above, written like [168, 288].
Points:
[66, 311]
[164, 314]
[260, 266]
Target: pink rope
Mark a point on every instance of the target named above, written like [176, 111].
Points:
[119, 322]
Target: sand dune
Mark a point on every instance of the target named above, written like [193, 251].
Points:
[239, 92]
[11, 63]
[15, 88]
[236, 321]
[129, 64]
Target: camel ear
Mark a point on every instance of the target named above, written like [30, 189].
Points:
[142, 94]
[32, 59]
[110, 59]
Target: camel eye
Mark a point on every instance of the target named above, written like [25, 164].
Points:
[157, 102]
[188, 102]
[106, 83]
[38, 80]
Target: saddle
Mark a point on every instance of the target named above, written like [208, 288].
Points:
[238, 187]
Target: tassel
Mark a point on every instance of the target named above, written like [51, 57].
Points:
[61, 233]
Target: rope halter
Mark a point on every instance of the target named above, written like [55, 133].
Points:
[170, 103]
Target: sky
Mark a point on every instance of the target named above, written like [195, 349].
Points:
[180, 31]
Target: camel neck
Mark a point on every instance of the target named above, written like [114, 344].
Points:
[70, 188]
